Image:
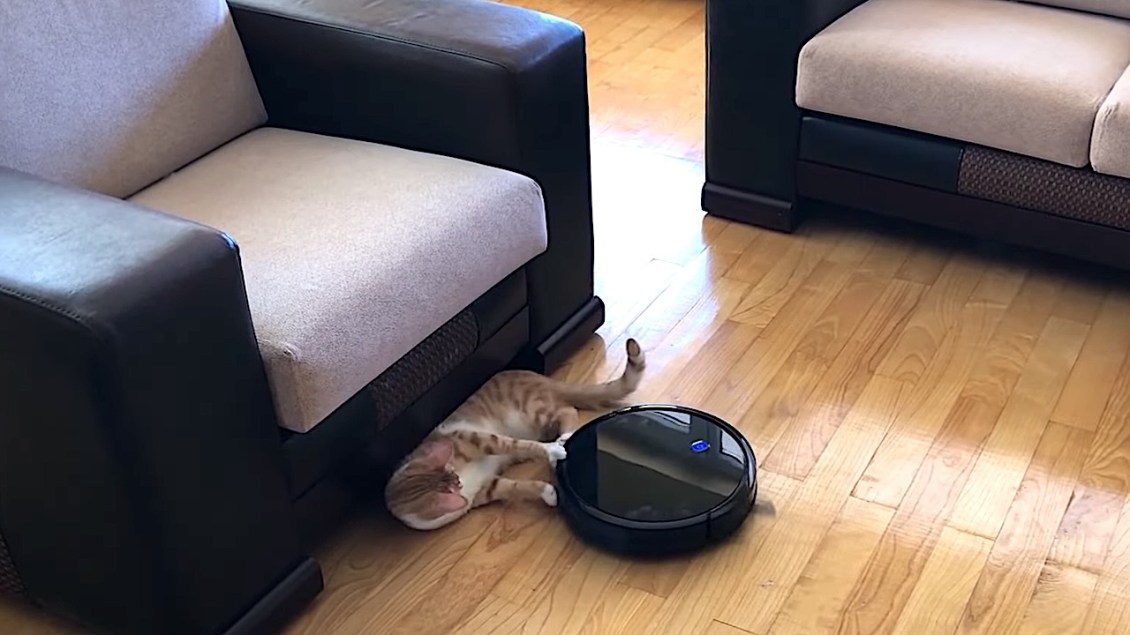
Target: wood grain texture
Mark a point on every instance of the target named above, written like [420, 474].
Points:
[1001, 466]
[817, 599]
[1081, 404]
[1060, 602]
[756, 599]
[1109, 613]
[937, 603]
[902, 387]
[1011, 574]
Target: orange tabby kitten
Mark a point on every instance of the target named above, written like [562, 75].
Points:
[514, 417]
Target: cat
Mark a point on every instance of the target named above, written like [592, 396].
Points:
[516, 416]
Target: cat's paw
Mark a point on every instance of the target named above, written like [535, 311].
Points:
[565, 436]
[554, 452]
[549, 495]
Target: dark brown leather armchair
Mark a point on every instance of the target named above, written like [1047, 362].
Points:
[173, 438]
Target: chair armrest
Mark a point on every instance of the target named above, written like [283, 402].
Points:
[141, 483]
[477, 80]
[752, 121]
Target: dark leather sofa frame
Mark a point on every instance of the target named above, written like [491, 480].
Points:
[767, 160]
[144, 485]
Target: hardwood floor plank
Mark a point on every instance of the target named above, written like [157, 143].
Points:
[697, 599]
[1084, 533]
[937, 603]
[638, 292]
[624, 609]
[850, 309]
[1082, 402]
[929, 403]
[1081, 301]
[467, 584]
[756, 598]
[819, 595]
[720, 628]
[709, 366]
[1000, 285]
[753, 265]
[881, 591]
[494, 616]
[807, 432]
[1013, 569]
[1109, 613]
[925, 263]
[746, 379]
[983, 505]
[779, 285]
[1088, 526]
[566, 606]
[1016, 337]
[540, 567]
[1060, 602]
[938, 313]
[387, 560]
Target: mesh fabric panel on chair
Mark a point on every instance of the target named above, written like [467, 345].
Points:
[10, 582]
[424, 366]
[1078, 193]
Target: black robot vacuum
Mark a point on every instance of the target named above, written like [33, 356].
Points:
[656, 480]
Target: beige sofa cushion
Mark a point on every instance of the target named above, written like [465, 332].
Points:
[1116, 8]
[111, 95]
[353, 252]
[1110, 142]
[1017, 77]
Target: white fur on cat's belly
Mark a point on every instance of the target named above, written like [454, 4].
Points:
[477, 474]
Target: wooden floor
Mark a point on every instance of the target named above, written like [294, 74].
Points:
[944, 428]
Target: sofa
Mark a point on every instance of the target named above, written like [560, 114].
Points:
[1006, 120]
[250, 254]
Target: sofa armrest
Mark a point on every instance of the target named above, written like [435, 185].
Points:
[752, 121]
[473, 79]
[141, 483]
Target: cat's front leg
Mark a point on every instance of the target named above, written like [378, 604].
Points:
[521, 449]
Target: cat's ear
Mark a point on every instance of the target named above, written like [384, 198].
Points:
[436, 454]
[449, 503]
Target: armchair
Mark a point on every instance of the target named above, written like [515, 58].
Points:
[250, 252]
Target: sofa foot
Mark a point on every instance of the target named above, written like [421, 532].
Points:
[272, 612]
[563, 342]
[745, 207]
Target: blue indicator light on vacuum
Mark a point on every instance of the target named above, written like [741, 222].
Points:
[700, 446]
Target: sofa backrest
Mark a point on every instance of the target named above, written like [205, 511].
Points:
[1115, 8]
[112, 95]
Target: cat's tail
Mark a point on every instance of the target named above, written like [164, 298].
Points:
[608, 394]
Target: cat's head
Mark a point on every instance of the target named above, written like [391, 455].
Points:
[426, 487]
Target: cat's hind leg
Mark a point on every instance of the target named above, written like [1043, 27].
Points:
[506, 489]
[568, 422]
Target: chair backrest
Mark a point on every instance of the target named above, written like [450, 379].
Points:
[113, 95]
[1114, 8]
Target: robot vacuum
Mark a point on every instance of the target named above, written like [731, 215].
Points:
[656, 480]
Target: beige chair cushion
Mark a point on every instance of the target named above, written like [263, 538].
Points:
[353, 252]
[112, 95]
[1017, 77]
[1110, 142]
[1116, 8]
